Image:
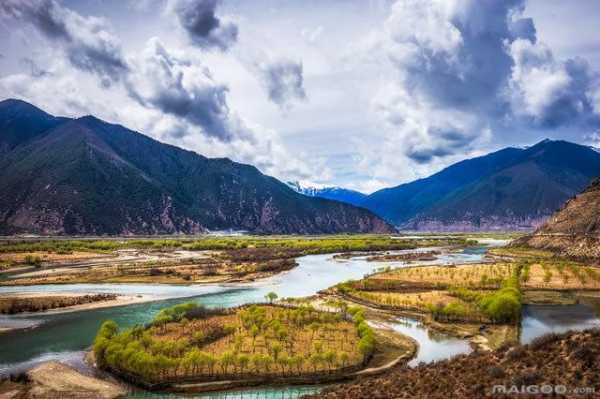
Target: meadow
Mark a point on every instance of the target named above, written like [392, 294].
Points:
[306, 244]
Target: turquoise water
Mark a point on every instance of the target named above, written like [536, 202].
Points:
[65, 336]
[67, 333]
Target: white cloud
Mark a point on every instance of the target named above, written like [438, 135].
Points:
[87, 42]
[550, 92]
[312, 35]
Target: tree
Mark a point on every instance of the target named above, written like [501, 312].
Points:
[271, 296]
[162, 321]
[243, 361]
[275, 351]
[344, 358]
[254, 333]
[226, 360]
[315, 360]
[297, 361]
[330, 357]
[210, 362]
[314, 327]
[284, 362]
[257, 361]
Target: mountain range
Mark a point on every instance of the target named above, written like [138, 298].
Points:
[511, 189]
[333, 193]
[86, 176]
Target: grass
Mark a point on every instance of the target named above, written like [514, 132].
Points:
[521, 252]
[557, 274]
[488, 293]
[310, 244]
[477, 276]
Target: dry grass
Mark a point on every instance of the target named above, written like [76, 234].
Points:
[559, 275]
[571, 360]
[521, 252]
[486, 276]
[405, 300]
[19, 257]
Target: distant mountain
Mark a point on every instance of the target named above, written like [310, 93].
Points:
[574, 230]
[511, 189]
[333, 193]
[86, 176]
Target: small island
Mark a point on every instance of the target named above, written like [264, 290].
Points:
[21, 303]
[265, 343]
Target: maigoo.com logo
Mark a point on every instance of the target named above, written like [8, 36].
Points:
[542, 390]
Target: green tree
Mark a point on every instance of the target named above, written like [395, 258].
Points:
[271, 296]
[254, 333]
[243, 361]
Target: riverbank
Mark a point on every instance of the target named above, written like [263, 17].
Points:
[16, 303]
[568, 362]
[97, 301]
[56, 380]
[180, 261]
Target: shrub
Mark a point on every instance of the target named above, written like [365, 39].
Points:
[33, 261]
[544, 340]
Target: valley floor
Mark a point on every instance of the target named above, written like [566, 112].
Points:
[178, 261]
[479, 302]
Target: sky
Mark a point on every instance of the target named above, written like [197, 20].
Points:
[360, 94]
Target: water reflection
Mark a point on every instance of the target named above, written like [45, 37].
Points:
[543, 319]
[432, 346]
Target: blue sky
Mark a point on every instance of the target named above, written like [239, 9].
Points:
[362, 94]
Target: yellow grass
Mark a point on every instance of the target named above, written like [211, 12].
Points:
[561, 276]
[472, 276]
[409, 300]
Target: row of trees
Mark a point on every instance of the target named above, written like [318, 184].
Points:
[139, 352]
[501, 306]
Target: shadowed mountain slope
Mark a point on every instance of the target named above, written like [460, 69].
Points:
[86, 176]
[510, 189]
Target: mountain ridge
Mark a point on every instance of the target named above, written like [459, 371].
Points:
[510, 189]
[574, 230]
[335, 193]
[87, 176]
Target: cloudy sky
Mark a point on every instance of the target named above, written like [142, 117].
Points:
[361, 94]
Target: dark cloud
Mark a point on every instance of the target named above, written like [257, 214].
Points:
[198, 18]
[44, 15]
[523, 28]
[182, 89]
[283, 81]
[548, 93]
[86, 41]
[452, 141]
[471, 69]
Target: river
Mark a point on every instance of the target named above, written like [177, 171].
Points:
[65, 336]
